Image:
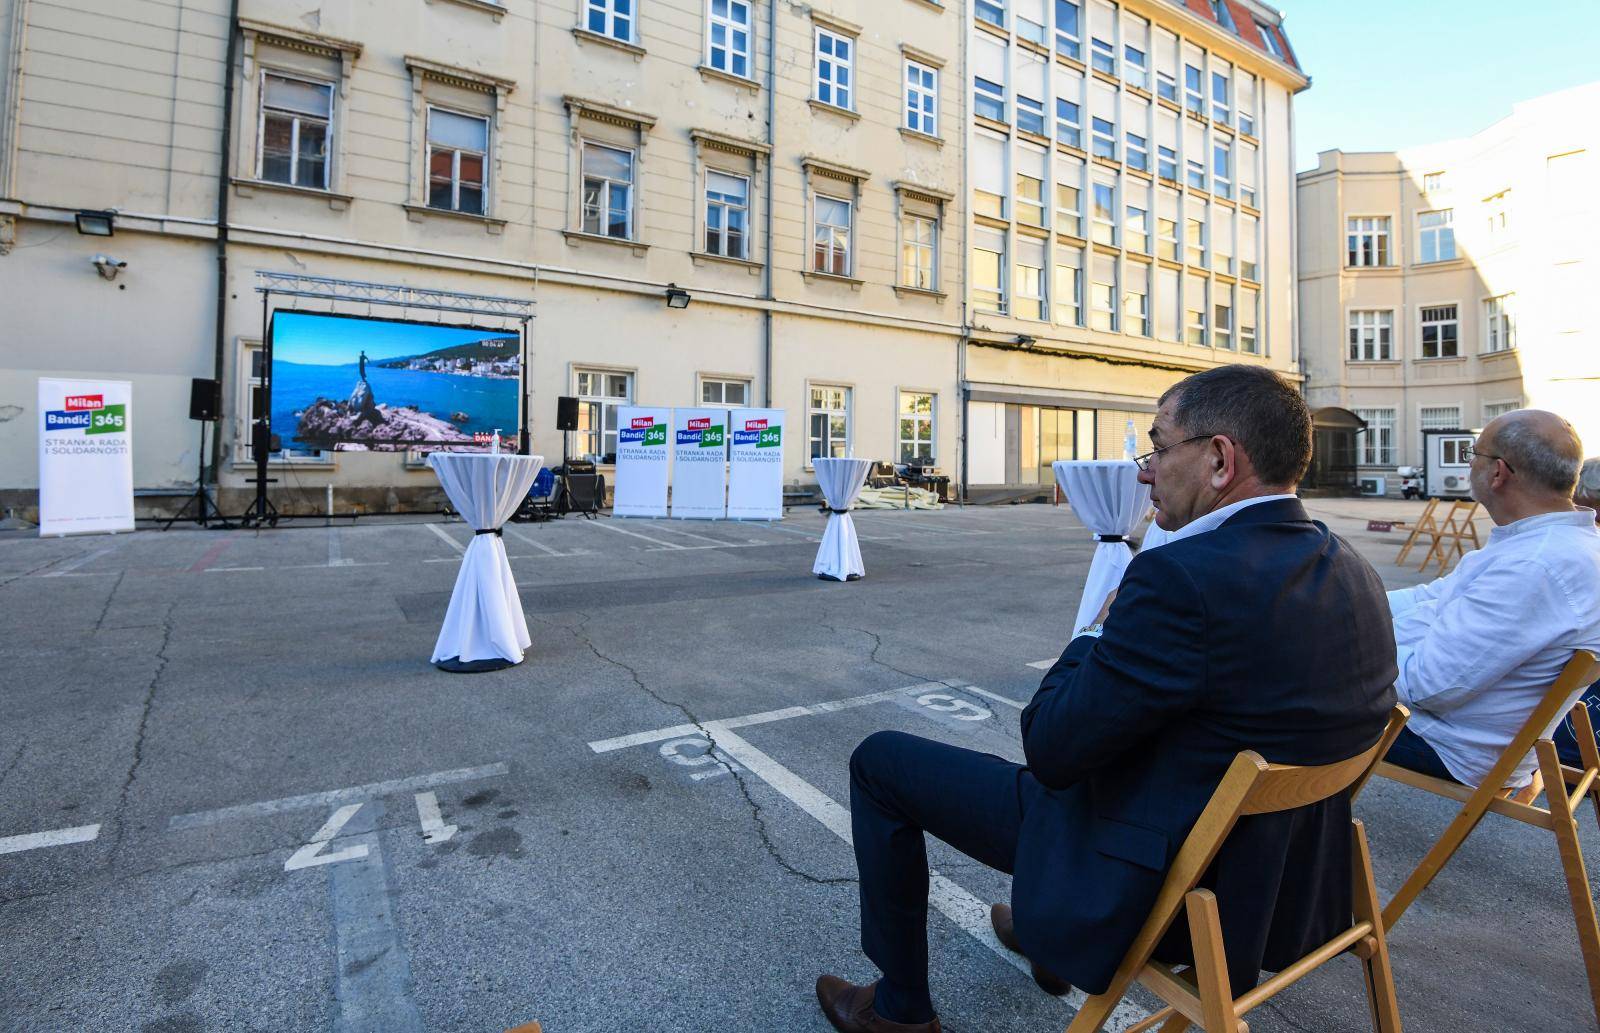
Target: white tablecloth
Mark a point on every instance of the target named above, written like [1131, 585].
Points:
[485, 620]
[1106, 495]
[841, 480]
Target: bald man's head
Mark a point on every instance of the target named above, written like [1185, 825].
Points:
[1540, 446]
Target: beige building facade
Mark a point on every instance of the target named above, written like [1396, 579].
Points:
[800, 171]
[1444, 285]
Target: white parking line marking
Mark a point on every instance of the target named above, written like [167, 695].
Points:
[986, 694]
[79, 562]
[1042, 665]
[228, 570]
[457, 546]
[808, 536]
[336, 549]
[634, 534]
[311, 855]
[434, 830]
[393, 787]
[688, 534]
[541, 546]
[57, 837]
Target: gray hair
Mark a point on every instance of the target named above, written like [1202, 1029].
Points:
[1589, 481]
[1548, 456]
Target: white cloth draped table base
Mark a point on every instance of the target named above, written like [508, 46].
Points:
[1107, 497]
[841, 481]
[485, 624]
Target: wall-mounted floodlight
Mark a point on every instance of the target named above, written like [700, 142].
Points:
[677, 297]
[97, 224]
[1024, 340]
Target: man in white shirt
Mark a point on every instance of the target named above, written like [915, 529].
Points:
[1479, 648]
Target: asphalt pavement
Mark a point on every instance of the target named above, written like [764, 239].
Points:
[234, 794]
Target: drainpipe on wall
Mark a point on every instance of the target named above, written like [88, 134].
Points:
[766, 235]
[223, 161]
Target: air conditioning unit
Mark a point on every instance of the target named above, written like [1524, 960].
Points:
[1374, 486]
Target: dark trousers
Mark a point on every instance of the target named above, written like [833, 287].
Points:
[900, 787]
[1412, 752]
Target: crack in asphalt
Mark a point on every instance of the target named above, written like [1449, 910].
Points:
[15, 760]
[138, 740]
[877, 645]
[101, 620]
[757, 812]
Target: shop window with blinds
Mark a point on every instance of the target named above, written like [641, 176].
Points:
[296, 114]
[1441, 331]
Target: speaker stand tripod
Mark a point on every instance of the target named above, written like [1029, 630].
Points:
[206, 511]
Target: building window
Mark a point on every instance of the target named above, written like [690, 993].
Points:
[1494, 410]
[1367, 241]
[1499, 206]
[1027, 293]
[600, 392]
[728, 37]
[1103, 294]
[835, 60]
[1105, 213]
[1135, 68]
[1219, 11]
[1221, 106]
[607, 191]
[1030, 115]
[1030, 200]
[1195, 239]
[1030, 30]
[831, 236]
[458, 146]
[727, 214]
[830, 422]
[1377, 444]
[1105, 138]
[1500, 323]
[1371, 335]
[919, 237]
[1069, 210]
[295, 115]
[988, 99]
[1270, 40]
[1432, 182]
[1102, 56]
[916, 426]
[1069, 123]
[1167, 163]
[1223, 308]
[1195, 322]
[1248, 315]
[1436, 235]
[1069, 31]
[612, 18]
[718, 391]
[1440, 417]
[988, 270]
[1069, 286]
[1222, 169]
[1138, 152]
[1247, 103]
[990, 11]
[1166, 87]
[1167, 238]
[1439, 332]
[1197, 172]
[1193, 90]
[1136, 301]
[922, 98]
[1137, 235]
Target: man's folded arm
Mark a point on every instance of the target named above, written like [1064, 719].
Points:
[1147, 667]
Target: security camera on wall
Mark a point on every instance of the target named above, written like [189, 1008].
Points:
[107, 266]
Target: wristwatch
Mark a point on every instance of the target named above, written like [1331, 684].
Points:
[1090, 629]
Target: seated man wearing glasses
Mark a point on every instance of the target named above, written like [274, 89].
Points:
[1479, 648]
[1254, 628]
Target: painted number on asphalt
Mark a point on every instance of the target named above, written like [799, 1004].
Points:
[311, 855]
[694, 751]
[959, 709]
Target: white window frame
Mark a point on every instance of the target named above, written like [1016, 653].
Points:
[832, 81]
[1221, 110]
[1136, 72]
[1196, 313]
[930, 418]
[1063, 298]
[1379, 234]
[1112, 223]
[1369, 344]
[1222, 168]
[1136, 230]
[980, 300]
[1423, 323]
[1037, 304]
[925, 254]
[722, 382]
[1432, 182]
[1494, 410]
[1069, 130]
[607, 184]
[1098, 313]
[989, 94]
[1194, 95]
[922, 83]
[1222, 306]
[725, 207]
[602, 402]
[837, 243]
[1068, 42]
[455, 160]
[731, 26]
[1438, 235]
[1103, 142]
[1499, 323]
[296, 118]
[607, 9]
[248, 381]
[1138, 153]
[1270, 41]
[813, 410]
[1377, 449]
[1102, 55]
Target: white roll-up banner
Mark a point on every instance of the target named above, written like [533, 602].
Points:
[85, 456]
[755, 464]
[700, 464]
[642, 456]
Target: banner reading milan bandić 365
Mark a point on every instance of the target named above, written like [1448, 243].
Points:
[85, 456]
[642, 454]
[755, 464]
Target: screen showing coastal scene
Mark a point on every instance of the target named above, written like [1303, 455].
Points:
[351, 384]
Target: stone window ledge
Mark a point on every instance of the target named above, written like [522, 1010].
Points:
[489, 7]
[247, 188]
[834, 109]
[585, 36]
[919, 292]
[704, 257]
[577, 238]
[914, 134]
[422, 212]
[709, 74]
[815, 277]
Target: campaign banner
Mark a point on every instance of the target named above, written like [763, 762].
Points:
[641, 488]
[700, 464]
[755, 464]
[85, 456]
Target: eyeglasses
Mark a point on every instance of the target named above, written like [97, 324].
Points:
[1472, 451]
[1144, 460]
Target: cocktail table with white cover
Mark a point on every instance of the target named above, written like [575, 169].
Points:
[1107, 497]
[484, 628]
[839, 555]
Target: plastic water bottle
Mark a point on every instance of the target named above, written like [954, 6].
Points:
[495, 448]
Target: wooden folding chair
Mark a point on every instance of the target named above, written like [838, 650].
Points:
[1456, 529]
[1201, 995]
[1427, 524]
[1564, 789]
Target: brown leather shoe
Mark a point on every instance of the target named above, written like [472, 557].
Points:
[849, 1008]
[1006, 933]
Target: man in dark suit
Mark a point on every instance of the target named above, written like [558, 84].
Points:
[1252, 628]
